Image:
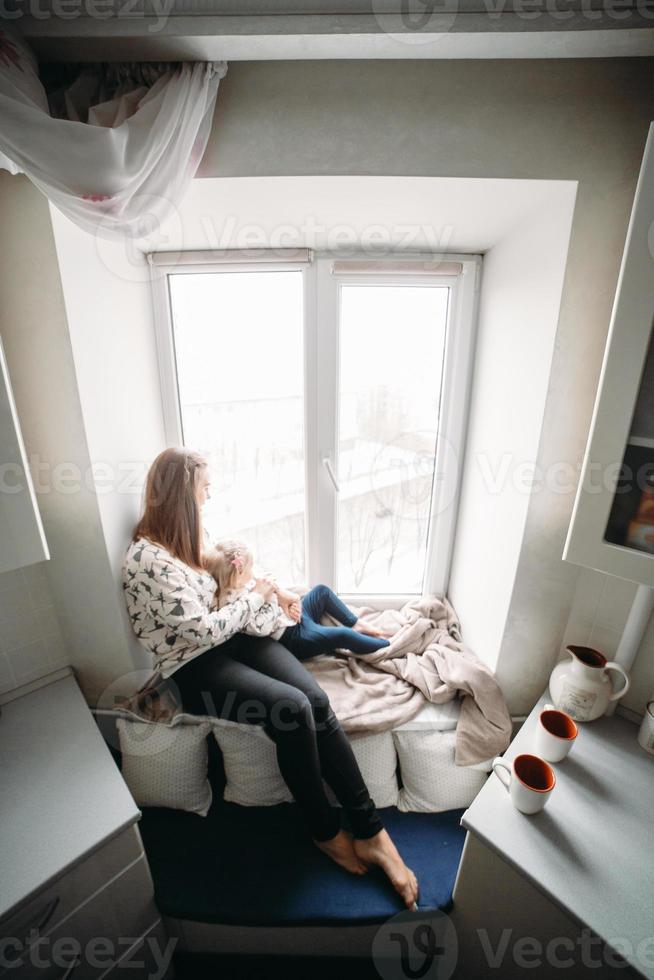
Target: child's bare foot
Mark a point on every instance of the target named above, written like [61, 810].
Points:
[341, 850]
[371, 630]
[381, 850]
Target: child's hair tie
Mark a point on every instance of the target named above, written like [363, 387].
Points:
[237, 561]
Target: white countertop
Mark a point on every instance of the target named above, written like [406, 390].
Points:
[591, 850]
[61, 795]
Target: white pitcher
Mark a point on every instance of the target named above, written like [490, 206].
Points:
[582, 687]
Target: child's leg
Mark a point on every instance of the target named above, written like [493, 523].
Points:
[316, 638]
[320, 600]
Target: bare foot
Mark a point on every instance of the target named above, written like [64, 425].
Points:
[371, 630]
[341, 850]
[381, 850]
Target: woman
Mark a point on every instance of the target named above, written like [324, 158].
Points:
[221, 671]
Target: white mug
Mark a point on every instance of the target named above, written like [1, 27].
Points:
[528, 780]
[646, 730]
[555, 734]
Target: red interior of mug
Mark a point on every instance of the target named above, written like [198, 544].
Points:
[534, 773]
[558, 723]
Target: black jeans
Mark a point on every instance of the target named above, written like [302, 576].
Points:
[258, 681]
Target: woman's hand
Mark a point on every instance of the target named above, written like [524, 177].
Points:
[265, 588]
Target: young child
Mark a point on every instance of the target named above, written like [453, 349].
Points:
[294, 622]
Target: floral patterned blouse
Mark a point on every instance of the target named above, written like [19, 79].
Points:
[170, 607]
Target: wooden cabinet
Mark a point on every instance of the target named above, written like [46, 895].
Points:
[612, 527]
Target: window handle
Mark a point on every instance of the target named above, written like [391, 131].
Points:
[330, 473]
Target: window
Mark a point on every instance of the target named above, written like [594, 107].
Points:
[238, 339]
[390, 366]
[330, 398]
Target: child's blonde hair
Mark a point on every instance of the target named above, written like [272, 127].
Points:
[224, 561]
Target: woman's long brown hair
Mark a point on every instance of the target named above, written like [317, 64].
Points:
[172, 514]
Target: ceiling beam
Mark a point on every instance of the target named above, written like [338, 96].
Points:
[116, 30]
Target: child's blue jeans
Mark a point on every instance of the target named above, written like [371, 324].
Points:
[309, 637]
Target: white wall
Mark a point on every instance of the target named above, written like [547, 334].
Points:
[599, 612]
[518, 318]
[31, 638]
[109, 311]
[584, 121]
[52, 612]
[524, 226]
[76, 325]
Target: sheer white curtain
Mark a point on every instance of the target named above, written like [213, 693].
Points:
[125, 167]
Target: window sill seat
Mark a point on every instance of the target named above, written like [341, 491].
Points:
[257, 866]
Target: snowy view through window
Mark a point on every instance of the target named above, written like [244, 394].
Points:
[239, 352]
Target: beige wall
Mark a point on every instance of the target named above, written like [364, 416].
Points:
[575, 120]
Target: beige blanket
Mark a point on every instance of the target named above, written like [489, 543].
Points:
[425, 661]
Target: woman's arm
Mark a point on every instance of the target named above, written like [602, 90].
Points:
[180, 608]
[264, 620]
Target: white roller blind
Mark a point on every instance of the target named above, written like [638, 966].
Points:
[356, 267]
[236, 256]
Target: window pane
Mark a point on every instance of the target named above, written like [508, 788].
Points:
[392, 341]
[238, 345]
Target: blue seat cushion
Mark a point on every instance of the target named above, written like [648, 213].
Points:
[258, 866]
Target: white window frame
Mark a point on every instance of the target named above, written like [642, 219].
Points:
[321, 359]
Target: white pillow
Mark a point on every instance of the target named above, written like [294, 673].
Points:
[253, 777]
[377, 760]
[433, 718]
[250, 759]
[431, 780]
[166, 764]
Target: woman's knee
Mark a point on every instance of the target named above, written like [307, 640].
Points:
[301, 711]
[289, 714]
[323, 714]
